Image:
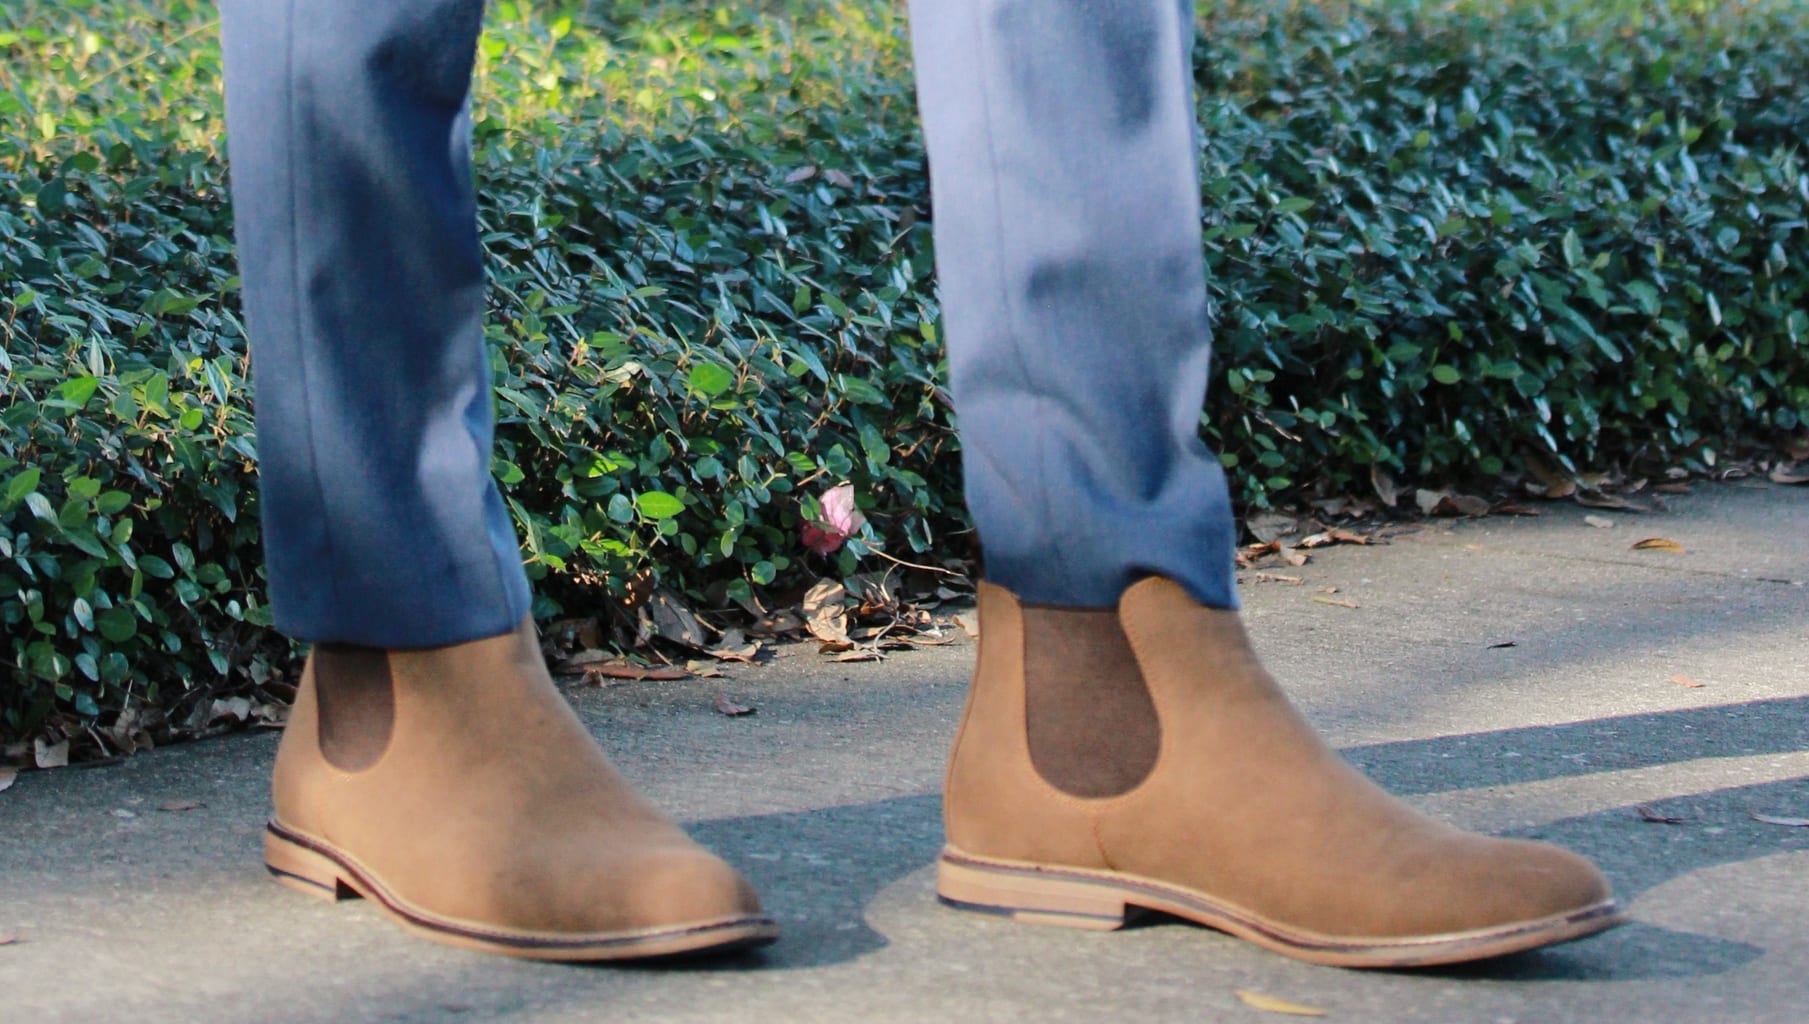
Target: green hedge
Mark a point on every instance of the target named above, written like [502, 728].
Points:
[1447, 235]
[1442, 236]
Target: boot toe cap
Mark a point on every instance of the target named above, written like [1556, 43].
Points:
[689, 886]
[1552, 881]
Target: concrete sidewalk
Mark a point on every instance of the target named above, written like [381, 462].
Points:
[828, 799]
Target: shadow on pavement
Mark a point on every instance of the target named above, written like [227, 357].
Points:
[1512, 756]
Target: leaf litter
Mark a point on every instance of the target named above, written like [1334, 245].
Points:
[1271, 1004]
[725, 706]
[1790, 475]
[1773, 819]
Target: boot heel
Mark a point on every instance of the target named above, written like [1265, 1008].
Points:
[304, 870]
[1031, 896]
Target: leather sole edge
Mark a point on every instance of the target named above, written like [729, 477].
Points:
[1107, 900]
[316, 869]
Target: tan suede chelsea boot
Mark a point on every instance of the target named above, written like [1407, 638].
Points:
[457, 791]
[1140, 758]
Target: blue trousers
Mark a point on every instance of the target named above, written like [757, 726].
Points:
[1067, 234]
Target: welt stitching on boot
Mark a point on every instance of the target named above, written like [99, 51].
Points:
[1092, 727]
[357, 701]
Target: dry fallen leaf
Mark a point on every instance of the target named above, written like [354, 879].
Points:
[1386, 488]
[668, 617]
[1658, 544]
[1687, 683]
[1599, 522]
[623, 670]
[1504, 643]
[180, 805]
[776, 623]
[50, 755]
[1602, 499]
[1470, 504]
[804, 173]
[859, 654]
[1792, 474]
[1258, 551]
[704, 669]
[1657, 817]
[7, 775]
[734, 645]
[1270, 526]
[1450, 503]
[1333, 535]
[935, 639]
[824, 613]
[579, 660]
[969, 623]
[1336, 602]
[1673, 488]
[725, 706]
[229, 709]
[1274, 1005]
[1556, 490]
[1772, 819]
[1275, 577]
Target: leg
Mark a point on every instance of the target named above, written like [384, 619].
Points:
[387, 541]
[364, 292]
[1122, 748]
[1068, 256]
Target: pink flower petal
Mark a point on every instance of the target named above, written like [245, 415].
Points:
[839, 513]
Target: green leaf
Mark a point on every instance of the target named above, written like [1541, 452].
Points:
[117, 624]
[1446, 374]
[621, 510]
[710, 379]
[77, 390]
[658, 505]
[53, 195]
[1573, 249]
[19, 486]
[154, 566]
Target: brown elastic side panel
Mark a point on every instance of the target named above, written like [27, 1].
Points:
[1092, 727]
[357, 704]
